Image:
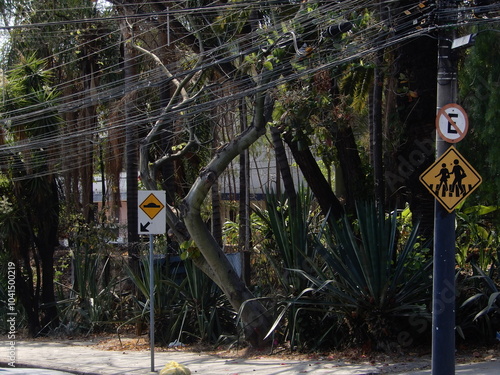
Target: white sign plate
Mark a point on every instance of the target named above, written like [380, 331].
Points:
[151, 212]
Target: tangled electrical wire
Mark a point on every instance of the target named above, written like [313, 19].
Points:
[312, 34]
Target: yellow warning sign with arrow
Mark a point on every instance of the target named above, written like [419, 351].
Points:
[151, 213]
[451, 179]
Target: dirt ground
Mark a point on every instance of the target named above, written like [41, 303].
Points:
[464, 354]
[129, 342]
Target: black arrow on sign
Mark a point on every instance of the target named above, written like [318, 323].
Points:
[144, 227]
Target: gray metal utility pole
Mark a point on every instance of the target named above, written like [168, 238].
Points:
[443, 311]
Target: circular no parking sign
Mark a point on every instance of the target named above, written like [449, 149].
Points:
[452, 123]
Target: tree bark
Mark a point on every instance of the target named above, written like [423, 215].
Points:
[131, 140]
[284, 166]
[418, 114]
[350, 165]
[244, 227]
[46, 243]
[376, 139]
[376, 124]
[328, 201]
[253, 314]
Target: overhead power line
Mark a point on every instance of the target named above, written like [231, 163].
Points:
[359, 44]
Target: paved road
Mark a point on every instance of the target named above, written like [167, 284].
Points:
[31, 371]
[82, 358]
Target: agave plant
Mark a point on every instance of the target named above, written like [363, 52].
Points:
[291, 229]
[376, 286]
[478, 316]
[188, 305]
[92, 301]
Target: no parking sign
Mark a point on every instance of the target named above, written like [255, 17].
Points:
[452, 123]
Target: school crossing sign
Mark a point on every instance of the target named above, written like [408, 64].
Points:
[451, 179]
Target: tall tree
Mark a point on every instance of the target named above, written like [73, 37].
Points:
[212, 260]
[30, 232]
[479, 81]
[69, 60]
[252, 59]
[74, 53]
[417, 111]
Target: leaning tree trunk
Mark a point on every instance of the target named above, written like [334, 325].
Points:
[254, 316]
[284, 166]
[327, 200]
[351, 167]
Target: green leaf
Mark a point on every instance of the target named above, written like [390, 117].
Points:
[472, 299]
[480, 210]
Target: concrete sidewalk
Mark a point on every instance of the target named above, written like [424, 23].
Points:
[82, 358]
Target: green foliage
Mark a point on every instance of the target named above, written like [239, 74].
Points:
[11, 219]
[477, 239]
[479, 94]
[211, 315]
[288, 245]
[168, 312]
[356, 82]
[478, 305]
[189, 250]
[369, 286]
[478, 258]
[291, 229]
[30, 213]
[189, 307]
[29, 90]
[91, 300]
[265, 260]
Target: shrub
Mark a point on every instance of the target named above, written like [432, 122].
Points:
[373, 289]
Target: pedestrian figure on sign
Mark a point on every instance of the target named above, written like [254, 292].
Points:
[459, 175]
[443, 181]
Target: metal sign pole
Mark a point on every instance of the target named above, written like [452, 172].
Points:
[151, 221]
[151, 303]
[443, 302]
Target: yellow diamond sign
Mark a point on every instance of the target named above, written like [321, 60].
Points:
[451, 179]
[151, 206]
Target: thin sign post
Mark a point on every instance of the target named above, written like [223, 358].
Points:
[151, 221]
[151, 304]
[443, 291]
